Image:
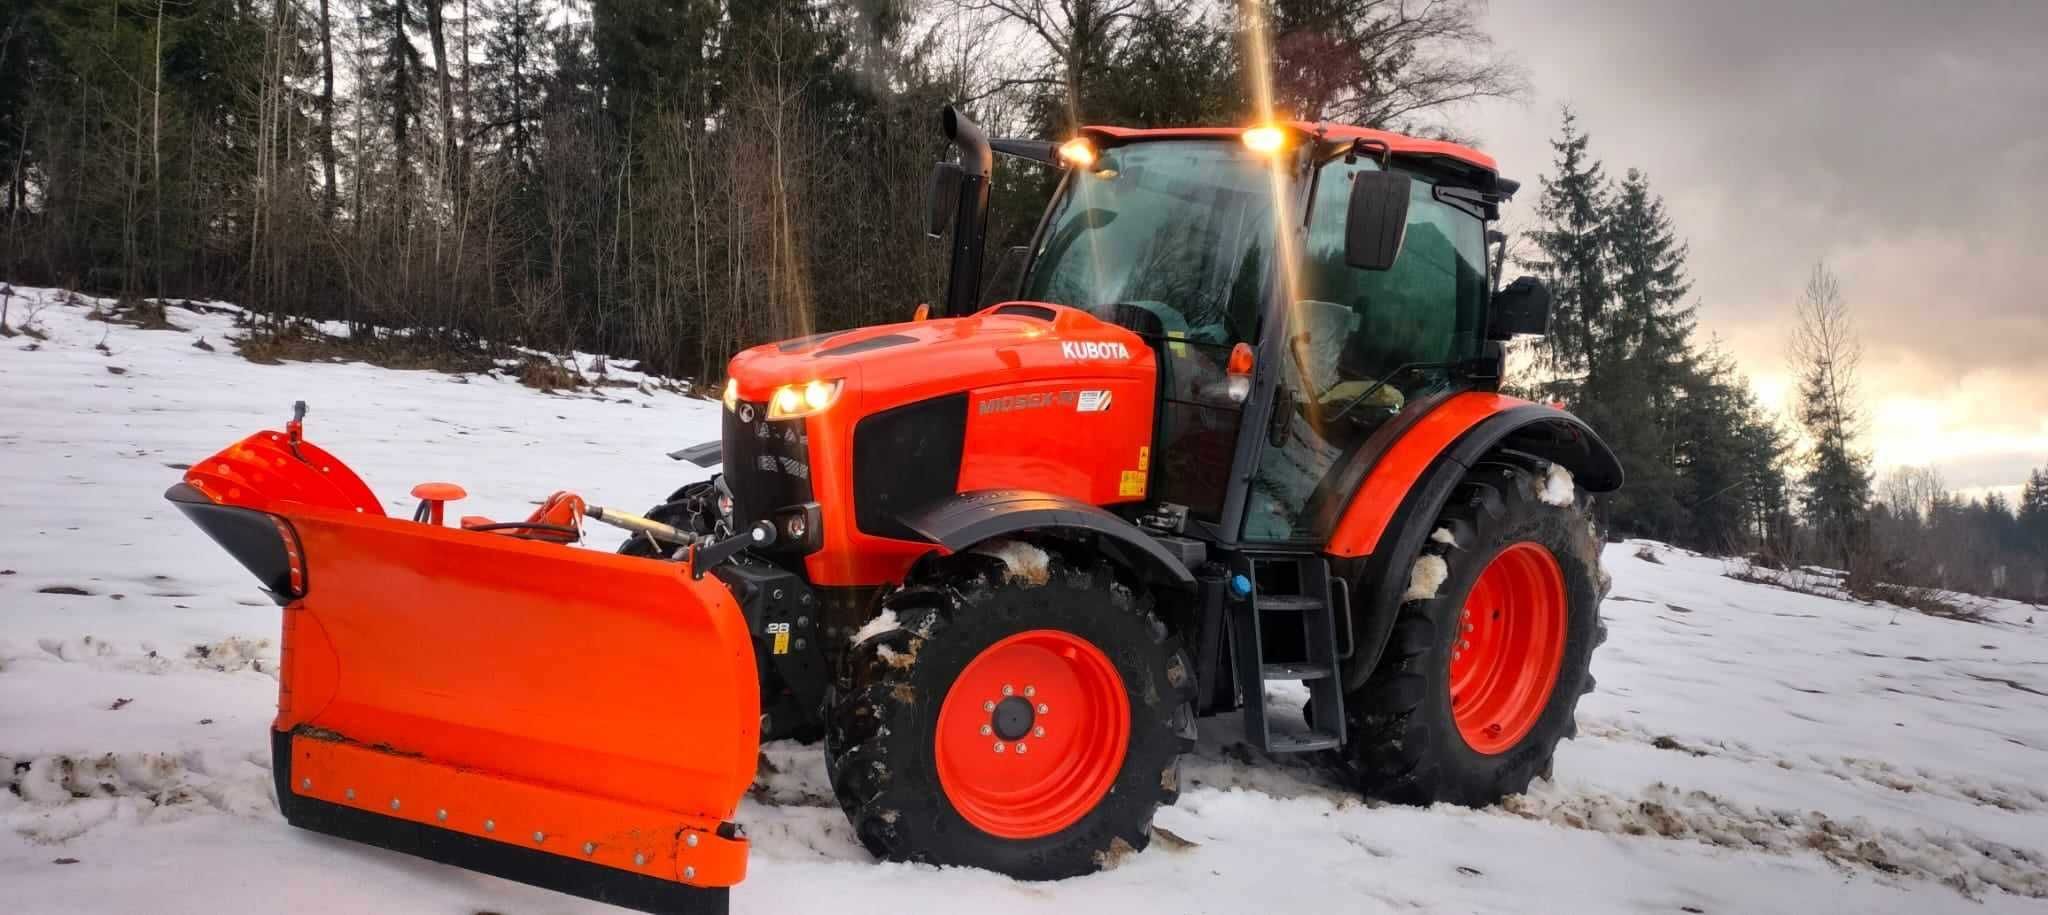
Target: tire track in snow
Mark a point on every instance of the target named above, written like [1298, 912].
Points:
[2007, 796]
[51, 799]
[227, 655]
[1968, 864]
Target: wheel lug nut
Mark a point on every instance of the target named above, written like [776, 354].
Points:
[1030, 690]
[1038, 732]
[1462, 644]
[999, 746]
[1008, 691]
[1043, 708]
[985, 729]
[988, 705]
[1020, 748]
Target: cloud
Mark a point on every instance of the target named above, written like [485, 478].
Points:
[1904, 143]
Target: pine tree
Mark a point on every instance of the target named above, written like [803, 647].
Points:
[1650, 376]
[654, 54]
[1571, 242]
[512, 80]
[399, 87]
[444, 76]
[2033, 511]
[1728, 459]
[1650, 325]
[1169, 71]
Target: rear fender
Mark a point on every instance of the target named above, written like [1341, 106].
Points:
[1383, 528]
[1461, 428]
[963, 520]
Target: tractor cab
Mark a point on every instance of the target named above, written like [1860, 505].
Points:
[1348, 265]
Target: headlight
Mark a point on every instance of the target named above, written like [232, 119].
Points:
[732, 393]
[795, 400]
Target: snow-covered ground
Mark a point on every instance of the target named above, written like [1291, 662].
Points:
[1749, 749]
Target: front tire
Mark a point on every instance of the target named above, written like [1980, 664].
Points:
[1483, 671]
[1024, 713]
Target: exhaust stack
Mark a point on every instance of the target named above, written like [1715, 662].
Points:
[970, 222]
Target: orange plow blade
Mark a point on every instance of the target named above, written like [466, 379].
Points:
[568, 718]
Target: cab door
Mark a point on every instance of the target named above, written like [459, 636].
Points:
[1358, 348]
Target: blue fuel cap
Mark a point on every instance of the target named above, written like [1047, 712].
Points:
[1240, 585]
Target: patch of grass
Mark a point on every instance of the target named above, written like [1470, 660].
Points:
[1930, 601]
[545, 374]
[295, 342]
[135, 313]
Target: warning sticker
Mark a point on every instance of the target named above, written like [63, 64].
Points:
[781, 633]
[1132, 483]
[1144, 456]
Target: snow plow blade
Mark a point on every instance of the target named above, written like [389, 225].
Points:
[581, 721]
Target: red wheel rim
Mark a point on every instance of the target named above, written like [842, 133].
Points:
[1509, 647]
[1032, 734]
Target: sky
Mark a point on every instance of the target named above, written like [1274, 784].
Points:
[1903, 144]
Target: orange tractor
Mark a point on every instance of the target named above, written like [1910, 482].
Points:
[1235, 424]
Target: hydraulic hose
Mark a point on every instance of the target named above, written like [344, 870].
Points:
[640, 525]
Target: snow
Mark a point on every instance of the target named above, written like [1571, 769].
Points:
[1444, 536]
[1558, 488]
[883, 622]
[1022, 561]
[1749, 748]
[1425, 577]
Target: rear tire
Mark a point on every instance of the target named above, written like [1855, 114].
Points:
[920, 781]
[1471, 715]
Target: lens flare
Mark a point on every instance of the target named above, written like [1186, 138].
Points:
[1265, 140]
[1078, 153]
[1259, 60]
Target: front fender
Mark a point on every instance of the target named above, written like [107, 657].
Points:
[961, 521]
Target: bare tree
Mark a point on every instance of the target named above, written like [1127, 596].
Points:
[1382, 63]
[1825, 356]
[1911, 492]
[1078, 34]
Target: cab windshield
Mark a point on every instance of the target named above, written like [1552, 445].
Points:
[1179, 229]
[1183, 229]
[1175, 239]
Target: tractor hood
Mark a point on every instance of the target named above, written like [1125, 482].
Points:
[1006, 344]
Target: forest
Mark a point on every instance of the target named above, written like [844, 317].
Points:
[673, 180]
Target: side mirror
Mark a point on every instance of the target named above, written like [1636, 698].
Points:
[942, 197]
[1377, 220]
[1522, 307]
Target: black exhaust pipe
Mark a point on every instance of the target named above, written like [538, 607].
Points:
[970, 222]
